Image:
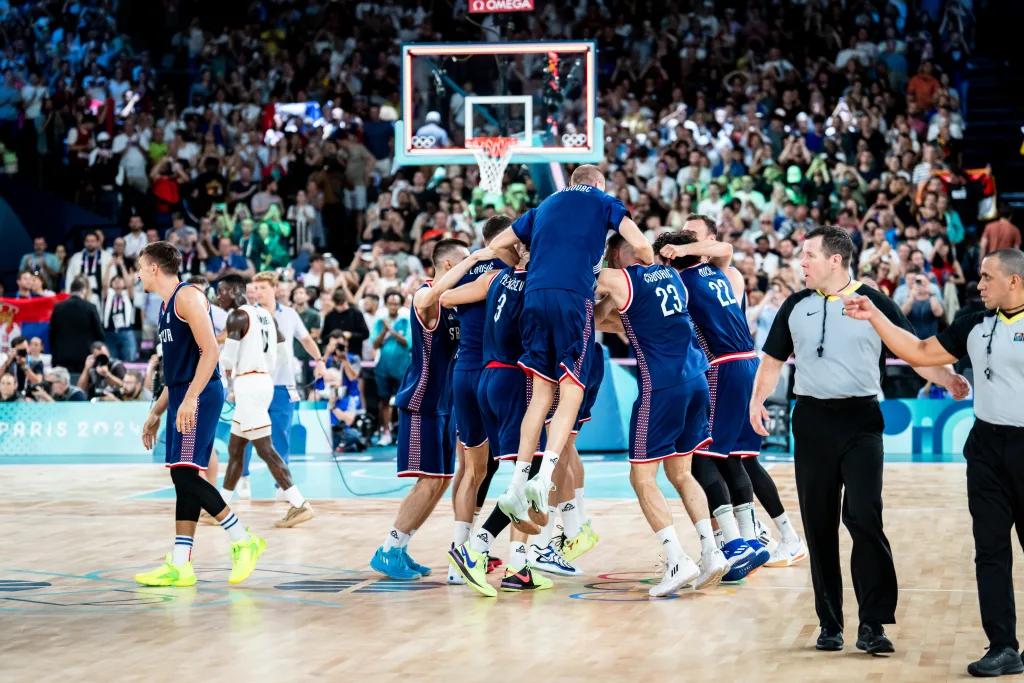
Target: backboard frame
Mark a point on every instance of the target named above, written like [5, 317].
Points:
[406, 154]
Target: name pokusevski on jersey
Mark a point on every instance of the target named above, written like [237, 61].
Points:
[567, 252]
[716, 312]
[503, 341]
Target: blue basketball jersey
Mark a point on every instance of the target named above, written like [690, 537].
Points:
[503, 342]
[716, 312]
[180, 351]
[471, 320]
[425, 388]
[566, 235]
[658, 327]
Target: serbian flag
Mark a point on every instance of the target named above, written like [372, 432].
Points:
[31, 315]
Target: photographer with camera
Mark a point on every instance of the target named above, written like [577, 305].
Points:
[922, 307]
[132, 389]
[18, 365]
[101, 372]
[56, 387]
[337, 355]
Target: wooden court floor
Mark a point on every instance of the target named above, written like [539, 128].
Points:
[71, 538]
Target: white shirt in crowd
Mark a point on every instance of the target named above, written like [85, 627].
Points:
[118, 310]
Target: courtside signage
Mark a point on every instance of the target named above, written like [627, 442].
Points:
[482, 6]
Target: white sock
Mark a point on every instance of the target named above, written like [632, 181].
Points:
[570, 518]
[294, 496]
[726, 523]
[182, 550]
[669, 542]
[227, 495]
[745, 520]
[520, 474]
[230, 524]
[785, 528]
[579, 507]
[543, 539]
[244, 483]
[517, 555]
[707, 535]
[396, 539]
[719, 538]
[547, 465]
[460, 533]
[481, 541]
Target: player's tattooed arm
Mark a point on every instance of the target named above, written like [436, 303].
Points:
[470, 292]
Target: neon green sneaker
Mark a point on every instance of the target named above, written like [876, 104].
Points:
[590, 532]
[473, 566]
[243, 557]
[579, 544]
[176, 575]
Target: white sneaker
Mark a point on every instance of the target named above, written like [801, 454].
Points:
[677, 575]
[244, 490]
[385, 440]
[713, 567]
[787, 554]
[761, 533]
[550, 560]
[455, 578]
[537, 491]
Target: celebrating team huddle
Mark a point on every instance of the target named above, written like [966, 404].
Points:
[505, 366]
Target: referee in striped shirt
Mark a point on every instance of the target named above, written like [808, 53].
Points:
[994, 340]
[837, 433]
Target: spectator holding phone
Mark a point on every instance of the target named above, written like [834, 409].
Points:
[922, 307]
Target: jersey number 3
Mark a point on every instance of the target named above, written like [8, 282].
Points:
[724, 292]
[670, 300]
[501, 305]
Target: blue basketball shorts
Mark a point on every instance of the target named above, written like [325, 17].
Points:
[558, 335]
[466, 408]
[194, 448]
[426, 445]
[669, 422]
[730, 386]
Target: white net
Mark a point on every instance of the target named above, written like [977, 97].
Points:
[492, 156]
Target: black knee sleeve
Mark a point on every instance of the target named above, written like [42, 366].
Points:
[496, 522]
[735, 476]
[764, 487]
[206, 496]
[707, 475]
[186, 506]
[481, 493]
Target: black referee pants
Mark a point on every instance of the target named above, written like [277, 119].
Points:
[837, 445]
[995, 495]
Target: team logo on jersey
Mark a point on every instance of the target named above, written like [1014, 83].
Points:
[1018, 337]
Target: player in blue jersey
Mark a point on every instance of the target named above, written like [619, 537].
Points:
[469, 425]
[502, 400]
[193, 397]
[565, 236]
[718, 314]
[426, 441]
[669, 421]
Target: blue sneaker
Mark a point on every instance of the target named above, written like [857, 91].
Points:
[741, 560]
[391, 563]
[421, 569]
[761, 554]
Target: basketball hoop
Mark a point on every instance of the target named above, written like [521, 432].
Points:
[492, 156]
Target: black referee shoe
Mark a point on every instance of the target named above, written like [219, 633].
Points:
[997, 662]
[872, 639]
[829, 640]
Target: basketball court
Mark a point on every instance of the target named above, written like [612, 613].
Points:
[313, 608]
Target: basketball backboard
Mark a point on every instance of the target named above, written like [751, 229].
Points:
[543, 94]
